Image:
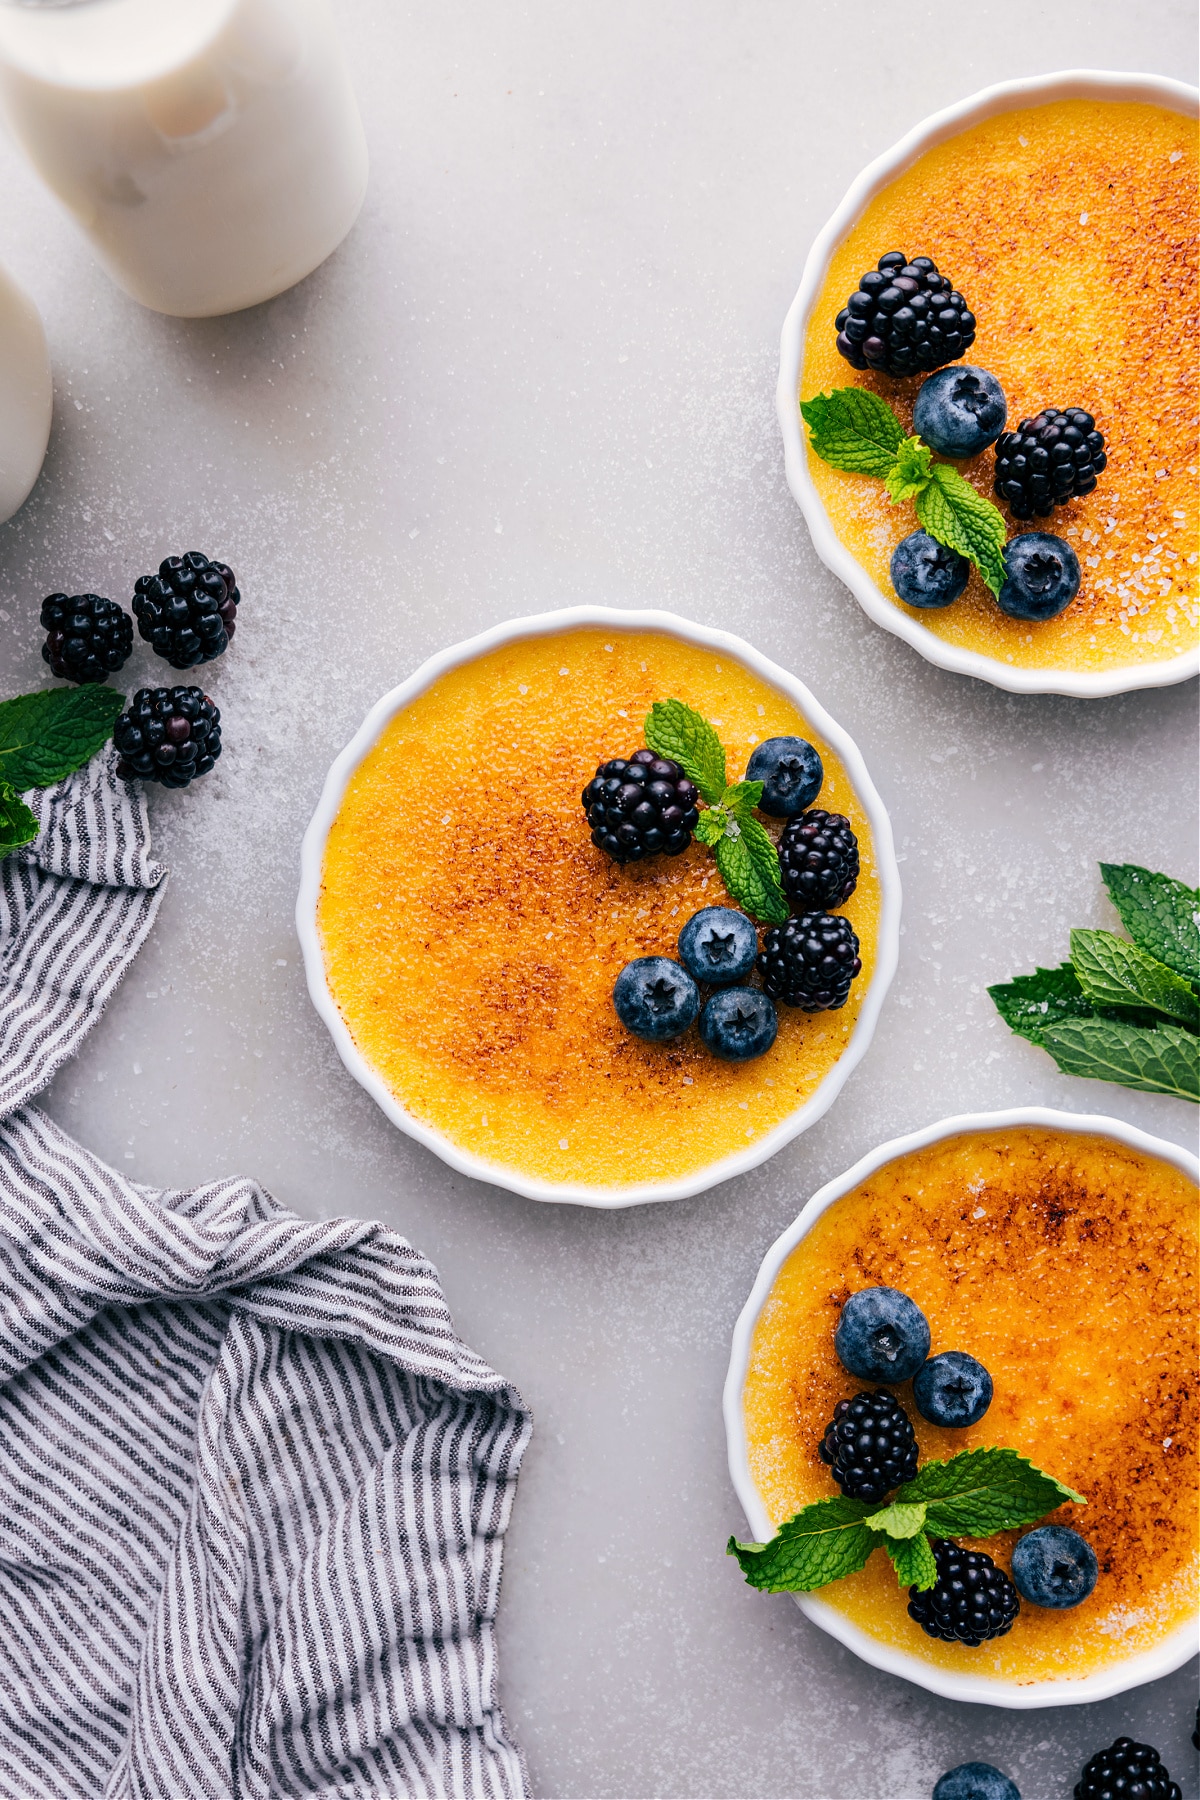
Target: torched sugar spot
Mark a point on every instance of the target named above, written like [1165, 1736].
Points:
[1067, 1265]
[1070, 228]
[472, 932]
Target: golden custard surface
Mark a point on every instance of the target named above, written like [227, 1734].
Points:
[1071, 229]
[472, 932]
[1067, 1266]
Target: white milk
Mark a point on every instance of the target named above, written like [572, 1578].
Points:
[211, 149]
[25, 395]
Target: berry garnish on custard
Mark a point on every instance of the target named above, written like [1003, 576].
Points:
[869, 1446]
[1048, 460]
[959, 412]
[810, 962]
[818, 861]
[640, 806]
[738, 1024]
[1042, 576]
[904, 319]
[971, 1601]
[928, 574]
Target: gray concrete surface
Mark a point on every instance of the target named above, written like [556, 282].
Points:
[541, 370]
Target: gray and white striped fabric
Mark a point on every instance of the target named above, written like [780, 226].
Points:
[253, 1488]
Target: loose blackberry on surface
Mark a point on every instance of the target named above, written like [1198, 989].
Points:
[810, 962]
[1049, 459]
[89, 637]
[928, 574]
[642, 805]
[187, 613]
[818, 861]
[1126, 1771]
[881, 1335]
[971, 1602]
[904, 319]
[169, 735]
[869, 1446]
[791, 772]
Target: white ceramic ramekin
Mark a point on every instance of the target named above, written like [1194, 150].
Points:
[609, 619]
[1006, 97]
[1174, 1650]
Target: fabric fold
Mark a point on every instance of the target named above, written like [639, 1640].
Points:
[253, 1486]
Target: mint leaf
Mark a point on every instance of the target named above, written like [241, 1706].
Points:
[1114, 972]
[853, 429]
[821, 1544]
[48, 735]
[749, 866]
[1165, 1060]
[679, 732]
[898, 1520]
[1029, 1003]
[1162, 916]
[982, 1491]
[742, 798]
[951, 511]
[710, 827]
[912, 1559]
[17, 824]
[911, 472]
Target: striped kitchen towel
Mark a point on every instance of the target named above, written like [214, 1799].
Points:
[253, 1487]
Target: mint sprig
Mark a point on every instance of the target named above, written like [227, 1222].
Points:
[1122, 1011]
[973, 1495]
[17, 824]
[46, 736]
[746, 857]
[853, 429]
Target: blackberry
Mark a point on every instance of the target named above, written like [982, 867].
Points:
[188, 611]
[1126, 1771]
[1048, 460]
[971, 1601]
[869, 1445]
[818, 859]
[643, 805]
[89, 637]
[810, 962]
[169, 735]
[905, 319]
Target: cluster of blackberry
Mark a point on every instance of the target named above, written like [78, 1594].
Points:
[187, 613]
[904, 319]
[644, 805]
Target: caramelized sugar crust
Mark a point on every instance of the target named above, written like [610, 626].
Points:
[1067, 1265]
[1071, 229]
[472, 932]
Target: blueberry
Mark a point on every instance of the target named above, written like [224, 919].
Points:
[1053, 1566]
[718, 945]
[927, 574]
[952, 1389]
[1043, 576]
[791, 773]
[655, 998]
[882, 1335]
[738, 1024]
[975, 1781]
[960, 411]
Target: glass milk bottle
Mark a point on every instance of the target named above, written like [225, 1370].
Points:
[211, 149]
[25, 396]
